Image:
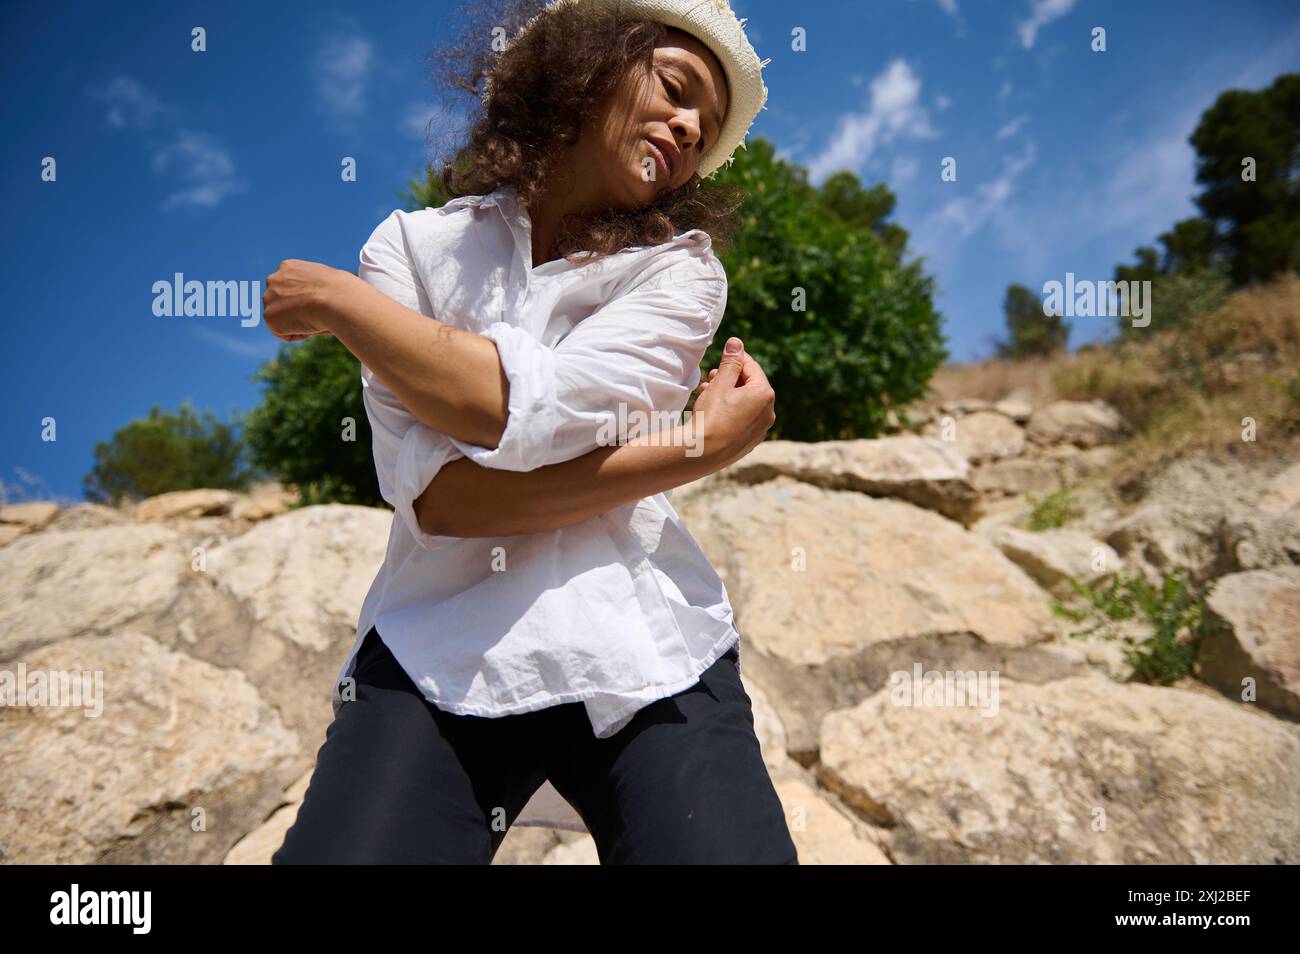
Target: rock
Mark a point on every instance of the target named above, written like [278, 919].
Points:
[982, 435]
[185, 503]
[1088, 462]
[177, 742]
[1084, 423]
[1051, 557]
[1018, 475]
[32, 516]
[767, 726]
[259, 845]
[1258, 637]
[964, 406]
[1001, 512]
[548, 809]
[88, 516]
[530, 846]
[1281, 494]
[801, 563]
[1077, 771]
[305, 574]
[1205, 539]
[1155, 539]
[9, 532]
[118, 575]
[923, 470]
[580, 852]
[264, 501]
[1017, 408]
[823, 832]
[1256, 539]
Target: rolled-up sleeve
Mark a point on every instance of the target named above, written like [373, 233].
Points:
[635, 356]
[408, 454]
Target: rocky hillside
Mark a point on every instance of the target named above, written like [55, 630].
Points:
[219, 621]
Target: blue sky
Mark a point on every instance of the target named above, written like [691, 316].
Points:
[220, 164]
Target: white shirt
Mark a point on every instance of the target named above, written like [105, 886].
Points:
[615, 611]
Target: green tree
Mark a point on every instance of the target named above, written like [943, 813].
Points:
[311, 428]
[842, 194]
[165, 452]
[817, 290]
[1256, 223]
[1031, 331]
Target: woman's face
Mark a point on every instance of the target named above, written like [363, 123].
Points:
[653, 129]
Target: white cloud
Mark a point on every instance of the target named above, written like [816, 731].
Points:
[1041, 13]
[941, 103]
[894, 112]
[130, 105]
[208, 170]
[963, 216]
[1011, 128]
[1264, 66]
[261, 344]
[949, 7]
[1005, 89]
[342, 69]
[903, 170]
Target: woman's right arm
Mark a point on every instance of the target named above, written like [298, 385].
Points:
[732, 414]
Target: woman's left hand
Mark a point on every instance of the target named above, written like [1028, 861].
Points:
[299, 297]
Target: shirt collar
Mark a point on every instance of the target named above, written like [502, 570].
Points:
[504, 198]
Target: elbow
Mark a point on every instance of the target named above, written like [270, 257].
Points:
[430, 517]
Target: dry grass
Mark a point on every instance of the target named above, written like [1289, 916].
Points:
[1179, 389]
[994, 380]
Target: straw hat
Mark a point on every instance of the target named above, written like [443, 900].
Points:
[714, 24]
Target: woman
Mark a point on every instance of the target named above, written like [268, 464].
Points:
[542, 613]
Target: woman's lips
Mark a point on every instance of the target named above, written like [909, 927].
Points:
[663, 161]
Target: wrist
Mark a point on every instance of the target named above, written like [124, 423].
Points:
[702, 454]
[342, 299]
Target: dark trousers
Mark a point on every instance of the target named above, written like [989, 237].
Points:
[399, 781]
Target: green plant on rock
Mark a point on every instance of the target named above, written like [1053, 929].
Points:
[1174, 614]
[1054, 510]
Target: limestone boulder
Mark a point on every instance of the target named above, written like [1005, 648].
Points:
[1083, 423]
[1257, 639]
[981, 435]
[1076, 771]
[1017, 475]
[925, 471]
[55, 585]
[185, 503]
[833, 590]
[88, 516]
[179, 761]
[1052, 557]
[33, 515]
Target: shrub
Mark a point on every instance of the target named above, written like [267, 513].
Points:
[311, 428]
[165, 452]
[1175, 615]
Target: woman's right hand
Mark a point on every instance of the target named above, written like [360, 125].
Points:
[735, 407]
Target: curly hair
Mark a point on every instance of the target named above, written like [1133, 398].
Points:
[545, 85]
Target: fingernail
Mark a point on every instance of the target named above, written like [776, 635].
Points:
[733, 346]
